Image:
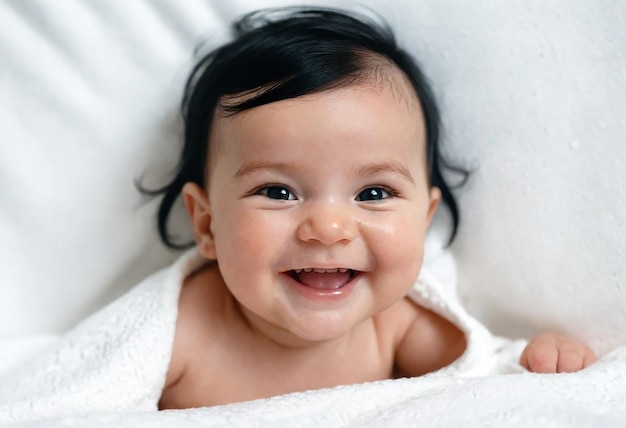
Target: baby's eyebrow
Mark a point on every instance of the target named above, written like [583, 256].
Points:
[393, 167]
[283, 167]
[251, 167]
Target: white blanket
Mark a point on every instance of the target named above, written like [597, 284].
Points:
[592, 398]
[117, 361]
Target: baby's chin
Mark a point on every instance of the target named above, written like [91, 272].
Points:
[312, 331]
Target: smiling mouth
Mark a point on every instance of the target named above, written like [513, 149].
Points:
[323, 279]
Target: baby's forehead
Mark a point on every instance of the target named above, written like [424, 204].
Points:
[382, 103]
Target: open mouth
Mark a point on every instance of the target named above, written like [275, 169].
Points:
[323, 279]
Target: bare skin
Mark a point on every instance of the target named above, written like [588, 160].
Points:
[555, 353]
[218, 358]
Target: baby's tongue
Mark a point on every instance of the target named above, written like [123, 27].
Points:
[324, 281]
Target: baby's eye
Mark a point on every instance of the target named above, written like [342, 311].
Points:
[277, 192]
[374, 194]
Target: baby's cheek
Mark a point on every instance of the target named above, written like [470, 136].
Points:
[399, 248]
[408, 257]
[255, 240]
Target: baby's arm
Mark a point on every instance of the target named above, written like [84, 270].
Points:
[429, 343]
[555, 353]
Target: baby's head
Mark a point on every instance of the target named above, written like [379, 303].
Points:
[310, 170]
[283, 54]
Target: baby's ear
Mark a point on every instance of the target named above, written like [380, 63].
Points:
[435, 197]
[199, 211]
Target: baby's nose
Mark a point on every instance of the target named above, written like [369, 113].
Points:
[328, 225]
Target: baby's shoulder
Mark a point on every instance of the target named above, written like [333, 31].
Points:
[393, 323]
[202, 297]
[200, 305]
[401, 313]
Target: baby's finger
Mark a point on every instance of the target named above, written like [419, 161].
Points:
[590, 358]
[542, 356]
[571, 358]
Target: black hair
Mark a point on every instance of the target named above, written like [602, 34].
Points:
[283, 53]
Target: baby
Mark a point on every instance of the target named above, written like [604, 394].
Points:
[310, 172]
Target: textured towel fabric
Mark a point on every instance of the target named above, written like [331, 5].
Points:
[589, 399]
[118, 358]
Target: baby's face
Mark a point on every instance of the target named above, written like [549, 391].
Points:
[319, 208]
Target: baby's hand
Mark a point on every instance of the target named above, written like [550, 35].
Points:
[554, 353]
